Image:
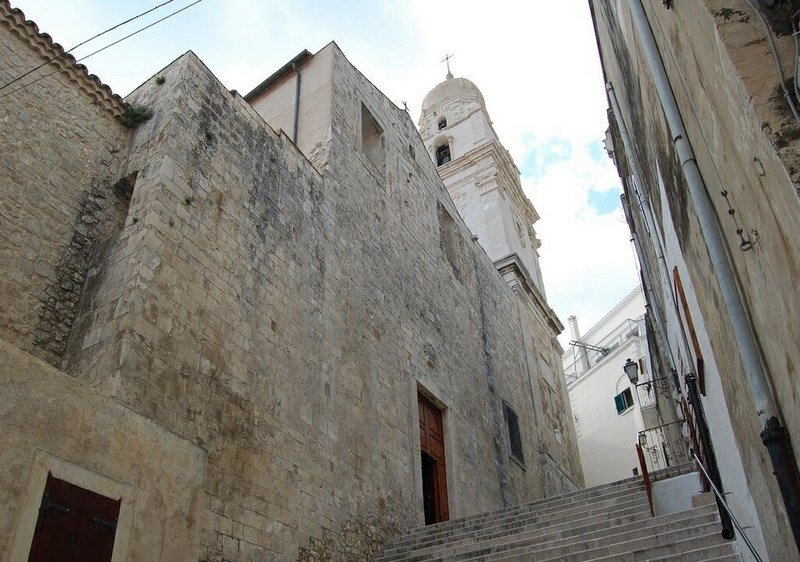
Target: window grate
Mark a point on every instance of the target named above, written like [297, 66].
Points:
[514, 436]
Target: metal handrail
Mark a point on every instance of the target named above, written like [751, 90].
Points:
[724, 504]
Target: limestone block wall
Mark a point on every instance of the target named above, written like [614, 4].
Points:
[471, 318]
[54, 424]
[723, 76]
[284, 321]
[60, 139]
[266, 326]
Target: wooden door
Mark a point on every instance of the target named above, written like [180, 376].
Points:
[434, 468]
[74, 525]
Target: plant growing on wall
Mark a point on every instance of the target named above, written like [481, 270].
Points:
[135, 115]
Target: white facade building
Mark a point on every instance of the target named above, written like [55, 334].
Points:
[608, 413]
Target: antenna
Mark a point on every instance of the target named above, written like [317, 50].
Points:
[601, 350]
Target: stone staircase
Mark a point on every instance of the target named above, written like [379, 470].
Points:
[609, 523]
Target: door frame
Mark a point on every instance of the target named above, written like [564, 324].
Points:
[429, 390]
[28, 514]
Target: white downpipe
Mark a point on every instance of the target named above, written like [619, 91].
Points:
[627, 147]
[720, 262]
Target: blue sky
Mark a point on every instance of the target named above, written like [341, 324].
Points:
[535, 62]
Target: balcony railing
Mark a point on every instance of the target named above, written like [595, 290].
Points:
[646, 392]
[666, 449]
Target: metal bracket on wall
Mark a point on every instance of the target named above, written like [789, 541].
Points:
[47, 503]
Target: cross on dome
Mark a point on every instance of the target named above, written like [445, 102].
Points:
[446, 59]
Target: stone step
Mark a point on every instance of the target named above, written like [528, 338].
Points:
[557, 512]
[703, 499]
[609, 523]
[604, 532]
[543, 506]
[635, 508]
[572, 497]
[625, 548]
[702, 553]
[621, 533]
[695, 549]
[673, 471]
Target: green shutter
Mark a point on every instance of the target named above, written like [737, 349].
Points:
[619, 400]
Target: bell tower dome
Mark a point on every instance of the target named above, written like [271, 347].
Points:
[481, 176]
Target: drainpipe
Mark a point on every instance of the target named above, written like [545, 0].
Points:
[648, 283]
[774, 435]
[296, 101]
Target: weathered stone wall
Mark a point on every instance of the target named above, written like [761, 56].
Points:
[59, 137]
[745, 139]
[239, 306]
[53, 423]
[283, 320]
[484, 184]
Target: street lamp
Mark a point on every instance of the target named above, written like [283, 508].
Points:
[632, 370]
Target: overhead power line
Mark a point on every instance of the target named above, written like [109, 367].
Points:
[82, 43]
[176, 12]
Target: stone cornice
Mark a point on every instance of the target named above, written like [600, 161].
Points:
[64, 62]
[512, 264]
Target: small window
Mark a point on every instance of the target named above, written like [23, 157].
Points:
[443, 155]
[449, 238]
[623, 401]
[514, 437]
[371, 138]
[442, 123]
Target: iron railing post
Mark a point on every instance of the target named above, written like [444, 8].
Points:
[711, 459]
[648, 486]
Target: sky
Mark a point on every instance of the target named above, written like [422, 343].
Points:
[535, 62]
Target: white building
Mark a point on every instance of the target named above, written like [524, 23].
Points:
[607, 411]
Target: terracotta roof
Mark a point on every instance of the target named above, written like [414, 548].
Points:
[49, 49]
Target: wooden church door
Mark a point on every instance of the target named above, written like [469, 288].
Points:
[74, 525]
[434, 473]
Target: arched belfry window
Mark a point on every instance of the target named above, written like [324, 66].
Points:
[442, 122]
[443, 155]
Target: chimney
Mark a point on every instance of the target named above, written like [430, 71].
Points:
[573, 328]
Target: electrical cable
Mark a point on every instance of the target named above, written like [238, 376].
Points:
[20, 77]
[104, 48]
[795, 34]
[774, 50]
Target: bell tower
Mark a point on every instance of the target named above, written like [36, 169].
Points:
[484, 183]
[481, 176]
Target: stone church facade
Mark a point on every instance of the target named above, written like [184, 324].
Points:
[485, 186]
[231, 334]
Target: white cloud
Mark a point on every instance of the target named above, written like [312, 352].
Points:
[587, 263]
